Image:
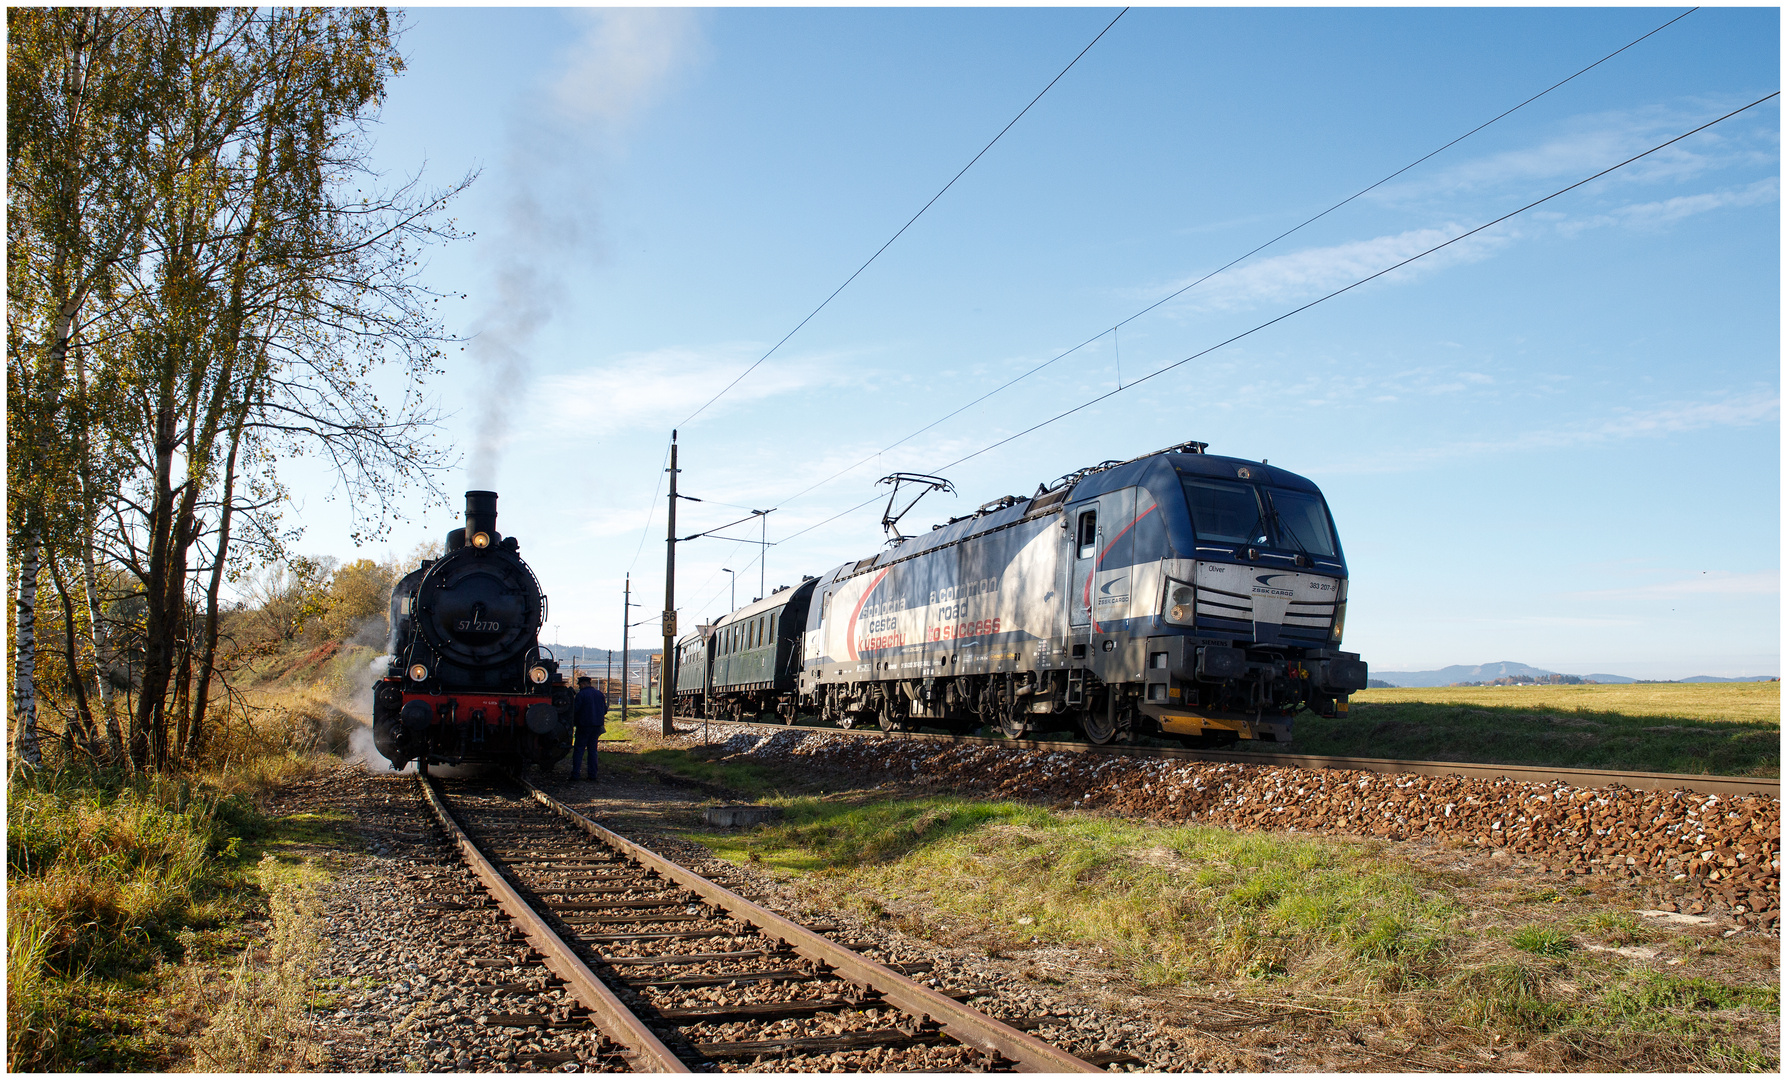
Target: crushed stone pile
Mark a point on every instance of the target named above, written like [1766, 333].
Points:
[1687, 851]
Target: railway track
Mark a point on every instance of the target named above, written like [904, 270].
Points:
[1582, 778]
[672, 972]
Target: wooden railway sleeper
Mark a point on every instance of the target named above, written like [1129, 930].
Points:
[963, 1024]
[616, 1021]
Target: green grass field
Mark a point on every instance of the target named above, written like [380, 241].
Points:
[1345, 931]
[1728, 729]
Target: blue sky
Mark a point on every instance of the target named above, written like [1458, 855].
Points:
[1556, 442]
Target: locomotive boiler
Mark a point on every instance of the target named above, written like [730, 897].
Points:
[469, 680]
[1179, 594]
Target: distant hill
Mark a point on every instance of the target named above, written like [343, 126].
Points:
[1504, 669]
[1446, 676]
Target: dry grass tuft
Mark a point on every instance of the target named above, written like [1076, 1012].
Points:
[263, 1023]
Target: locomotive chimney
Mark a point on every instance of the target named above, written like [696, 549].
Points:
[480, 517]
[480, 513]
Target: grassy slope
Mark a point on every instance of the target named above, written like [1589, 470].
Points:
[112, 886]
[1719, 728]
[1349, 929]
[125, 897]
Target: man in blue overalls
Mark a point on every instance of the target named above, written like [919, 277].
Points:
[588, 720]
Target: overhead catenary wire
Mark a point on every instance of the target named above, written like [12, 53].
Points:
[983, 150]
[1008, 384]
[1233, 262]
[1320, 300]
[1364, 280]
[651, 511]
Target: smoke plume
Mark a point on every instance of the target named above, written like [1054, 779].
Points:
[548, 223]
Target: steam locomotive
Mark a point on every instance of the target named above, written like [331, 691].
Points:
[1179, 594]
[468, 679]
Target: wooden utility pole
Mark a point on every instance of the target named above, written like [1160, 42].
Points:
[665, 694]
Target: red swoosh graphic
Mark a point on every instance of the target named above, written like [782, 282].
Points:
[850, 629]
[1099, 562]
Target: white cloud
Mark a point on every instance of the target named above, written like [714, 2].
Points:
[657, 388]
[1705, 583]
[1736, 410]
[623, 61]
[1668, 211]
[1304, 275]
[1588, 144]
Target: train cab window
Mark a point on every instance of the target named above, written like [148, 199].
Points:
[825, 608]
[1225, 511]
[1302, 521]
[1088, 533]
[772, 626]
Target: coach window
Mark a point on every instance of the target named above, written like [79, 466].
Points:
[1088, 533]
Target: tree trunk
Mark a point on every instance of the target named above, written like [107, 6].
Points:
[24, 693]
[163, 611]
[173, 751]
[194, 744]
[96, 623]
[82, 730]
[103, 665]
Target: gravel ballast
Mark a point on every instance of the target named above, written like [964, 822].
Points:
[1685, 851]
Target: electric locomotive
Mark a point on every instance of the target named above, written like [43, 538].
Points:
[469, 680]
[1179, 594]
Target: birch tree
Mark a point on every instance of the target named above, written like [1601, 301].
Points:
[77, 83]
[263, 295]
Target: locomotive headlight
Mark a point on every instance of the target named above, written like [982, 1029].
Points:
[481, 540]
[1181, 603]
[538, 674]
[418, 672]
[1339, 622]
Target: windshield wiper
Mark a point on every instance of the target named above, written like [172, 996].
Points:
[1286, 530]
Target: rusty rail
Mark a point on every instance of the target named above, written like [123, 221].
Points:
[1706, 785]
[965, 1024]
[614, 1019]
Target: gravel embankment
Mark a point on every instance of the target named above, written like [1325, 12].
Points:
[1687, 852]
[415, 979]
[412, 976]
